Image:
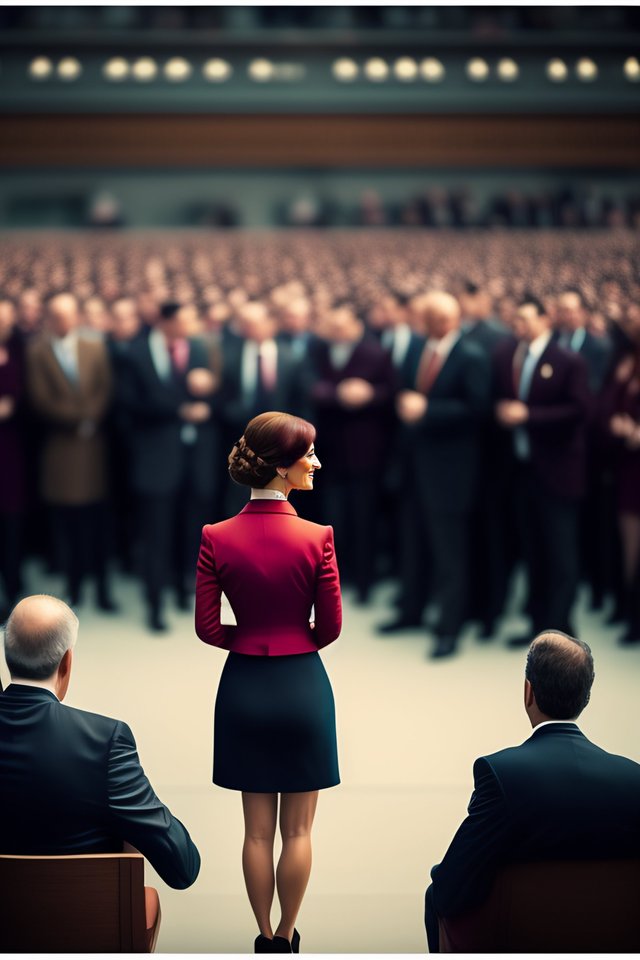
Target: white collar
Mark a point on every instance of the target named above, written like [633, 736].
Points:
[539, 345]
[545, 723]
[264, 494]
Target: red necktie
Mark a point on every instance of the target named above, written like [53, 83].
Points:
[428, 370]
[179, 353]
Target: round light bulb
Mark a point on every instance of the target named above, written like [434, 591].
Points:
[40, 68]
[177, 69]
[376, 69]
[345, 69]
[69, 68]
[405, 69]
[432, 70]
[557, 70]
[508, 70]
[477, 69]
[632, 69]
[144, 69]
[116, 69]
[217, 70]
[261, 70]
[586, 69]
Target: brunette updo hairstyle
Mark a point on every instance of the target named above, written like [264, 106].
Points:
[269, 441]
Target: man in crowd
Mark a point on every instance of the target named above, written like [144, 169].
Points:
[542, 404]
[441, 415]
[556, 796]
[166, 392]
[72, 782]
[352, 391]
[70, 386]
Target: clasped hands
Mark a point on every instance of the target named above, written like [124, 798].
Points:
[625, 427]
[200, 383]
[511, 413]
[411, 405]
[354, 392]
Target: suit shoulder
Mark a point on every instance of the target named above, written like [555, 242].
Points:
[99, 724]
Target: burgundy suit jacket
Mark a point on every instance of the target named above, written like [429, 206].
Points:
[559, 406]
[273, 566]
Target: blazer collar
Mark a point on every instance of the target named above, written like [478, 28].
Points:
[26, 691]
[557, 729]
[269, 506]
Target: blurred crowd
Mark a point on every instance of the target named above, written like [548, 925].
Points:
[476, 396]
[443, 207]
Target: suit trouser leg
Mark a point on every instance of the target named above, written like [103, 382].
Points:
[363, 515]
[71, 522]
[449, 541]
[414, 560]
[431, 921]
[11, 529]
[156, 515]
[558, 531]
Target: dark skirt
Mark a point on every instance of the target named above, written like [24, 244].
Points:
[275, 725]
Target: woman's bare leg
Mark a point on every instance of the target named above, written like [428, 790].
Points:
[294, 866]
[260, 817]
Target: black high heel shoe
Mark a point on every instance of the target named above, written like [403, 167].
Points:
[281, 945]
[262, 944]
[295, 941]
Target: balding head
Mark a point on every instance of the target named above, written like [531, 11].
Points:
[63, 314]
[570, 315]
[440, 313]
[560, 672]
[37, 635]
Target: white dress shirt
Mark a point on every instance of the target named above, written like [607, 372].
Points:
[260, 493]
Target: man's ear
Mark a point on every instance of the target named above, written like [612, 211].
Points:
[529, 696]
[64, 674]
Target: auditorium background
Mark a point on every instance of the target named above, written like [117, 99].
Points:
[279, 188]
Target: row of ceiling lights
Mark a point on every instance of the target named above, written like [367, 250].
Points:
[345, 69]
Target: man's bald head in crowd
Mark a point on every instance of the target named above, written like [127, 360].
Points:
[440, 312]
[63, 313]
[559, 674]
[40, 632]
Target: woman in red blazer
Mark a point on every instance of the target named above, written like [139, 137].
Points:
[274, 728]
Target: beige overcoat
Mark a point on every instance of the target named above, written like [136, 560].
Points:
[73, 467]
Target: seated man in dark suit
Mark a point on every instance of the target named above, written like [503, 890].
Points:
[556, 796]
[71, 780]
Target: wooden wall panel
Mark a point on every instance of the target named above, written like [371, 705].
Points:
[260, 141]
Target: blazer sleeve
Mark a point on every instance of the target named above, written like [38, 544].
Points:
[464, 877]
[328, 601]
[141, 819]
[208, 596]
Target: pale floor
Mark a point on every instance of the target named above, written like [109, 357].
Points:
[409, 730]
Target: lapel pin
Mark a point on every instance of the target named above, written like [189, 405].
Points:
[546, 371]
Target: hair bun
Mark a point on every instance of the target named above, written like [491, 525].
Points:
[247, 468]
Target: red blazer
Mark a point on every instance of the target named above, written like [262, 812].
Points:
[273, 566]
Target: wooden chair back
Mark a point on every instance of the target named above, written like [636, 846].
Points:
[68, 904]
[555, 907]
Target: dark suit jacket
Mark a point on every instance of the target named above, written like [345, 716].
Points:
[556, 796]
[151, 405]
[237, 409]
[72, 783]
[559, 406]
[12, 430]
[354, 441]
[445, 442]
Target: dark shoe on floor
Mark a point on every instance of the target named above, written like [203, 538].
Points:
[487, 631]
[629, 637]
[107, 605]
[281, 945]
[183, 602]
[400, 623]
[520, 640]
[295, 941]
[445, 647]
[156, 623]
